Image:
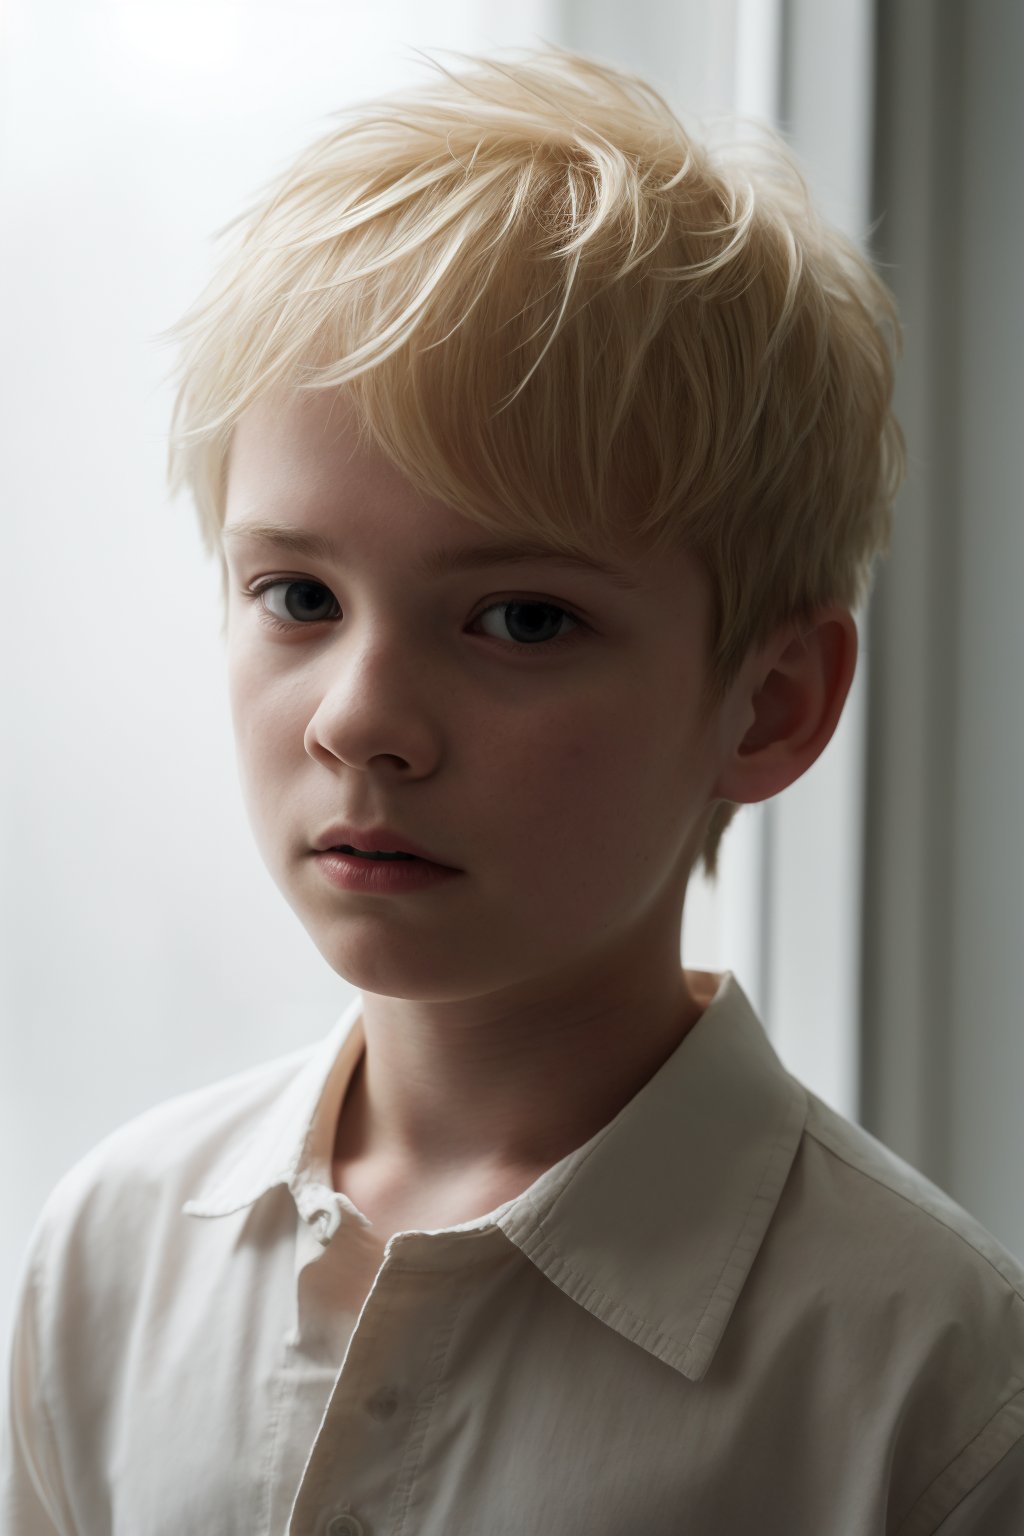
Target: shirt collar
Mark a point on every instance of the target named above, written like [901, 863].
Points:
[652, 1225]
[292, 1143]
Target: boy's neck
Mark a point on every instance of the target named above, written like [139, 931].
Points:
[446, 1112]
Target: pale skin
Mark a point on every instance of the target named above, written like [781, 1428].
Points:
[513, 1011]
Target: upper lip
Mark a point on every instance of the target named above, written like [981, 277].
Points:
[374, 840]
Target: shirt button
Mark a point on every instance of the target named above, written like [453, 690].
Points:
[323, 1227]
[345, 1525]
[383, 1403]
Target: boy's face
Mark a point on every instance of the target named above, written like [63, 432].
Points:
[567, 781]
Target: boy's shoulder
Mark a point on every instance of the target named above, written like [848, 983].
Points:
[913, 1304]
[847, 1225]
[869, 1195]
[141, 1173]
[894, 1317]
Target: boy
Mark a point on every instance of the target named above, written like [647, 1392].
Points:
[542, 1238]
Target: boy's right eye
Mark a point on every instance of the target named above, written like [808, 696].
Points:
[266, 615]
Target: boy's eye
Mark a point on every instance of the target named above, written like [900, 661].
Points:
[527, 620]
[303, 602]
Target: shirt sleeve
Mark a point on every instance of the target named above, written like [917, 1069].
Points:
[33, 1501]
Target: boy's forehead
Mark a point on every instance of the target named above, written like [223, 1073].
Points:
[295, 436]
[296, 457]
[297, 461]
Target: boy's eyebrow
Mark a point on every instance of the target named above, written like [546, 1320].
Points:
[438, 561]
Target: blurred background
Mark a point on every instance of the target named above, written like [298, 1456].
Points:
[873, 912]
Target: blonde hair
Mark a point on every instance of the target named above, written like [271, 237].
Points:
[560, 313]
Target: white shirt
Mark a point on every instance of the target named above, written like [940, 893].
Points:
[730, 1312]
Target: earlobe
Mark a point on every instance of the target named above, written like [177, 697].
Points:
[789, 703]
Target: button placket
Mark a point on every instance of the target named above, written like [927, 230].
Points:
[391, 1371]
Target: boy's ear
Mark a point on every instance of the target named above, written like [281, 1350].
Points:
[786, 706]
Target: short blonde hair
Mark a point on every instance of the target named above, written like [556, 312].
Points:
[560, 313]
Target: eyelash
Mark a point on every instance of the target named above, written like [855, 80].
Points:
[271, 621]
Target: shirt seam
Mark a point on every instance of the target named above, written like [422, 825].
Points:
[873, 1178]
[931, 1505]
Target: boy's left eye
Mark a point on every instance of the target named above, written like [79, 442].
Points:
[531, 616]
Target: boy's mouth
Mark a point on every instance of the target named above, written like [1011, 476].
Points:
[379, 842]
[377, 854]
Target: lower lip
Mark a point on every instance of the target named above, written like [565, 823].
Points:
[382, 877]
